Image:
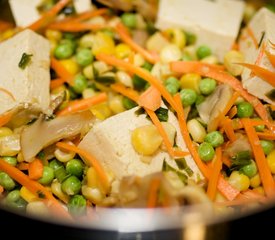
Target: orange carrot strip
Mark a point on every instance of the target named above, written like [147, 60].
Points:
[180, 154]
[224, 77]
[55, 83]
[150, 99]
[213, 181]
[61, 71]
[264, 171]
[111, 60]
[125, 91]
[35, 187]
[263, 73]
[229, 130]
[35, 169]
[251, 34]
[232, 112]
[267, 135]
[271, 58]
[90, 14]
[226, 189]
[90, 160]
[4, 25]
[123, 33]
[76, 27]
[226, 161]
[5, 118]
[153, 193]
[8, 93]
[23, 166]
[83, 104]
[260, 55]
[48, 16]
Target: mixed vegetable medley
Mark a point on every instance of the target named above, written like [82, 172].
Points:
[104, 108]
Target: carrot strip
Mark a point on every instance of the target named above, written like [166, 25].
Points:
[111, 60]
[76, 27]
[4, 25]
[150, 99]
[153, 193]
[271, 57]
[224, 77]
[1, 189]
[89, 14]
[61, 71]
[263, 73]
[5, 118]
[8, 93]
[55, 83]
[232, 112]
[48, 16]
[226, 161]
[35, 169]
[90, 160]
[267, 135]
[35, 187]
[264, 171]
[123, 33]
[260, 55]
[83, 104]
[23, 166]
[229, 130]
[251, 34]
[226, 189]
[128, 92]
[213, 181]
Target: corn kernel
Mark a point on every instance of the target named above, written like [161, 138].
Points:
[88, 71]
[103, 43]
[7, 34]
[231, 59]
[37, 208]
[70, 65]
[53, 35]
[100, 67]
[191, 80]
[177, 37]
[5, 131]
[88, 92]
[259, 190]
[146, 139]
[191, 52]
[64, 156]
[101, 111]
[196, 130]
[57, 191]
[27, 195]
[271, 161]
[124, 78]
[239, 181]
[87, 40]
[122, 51]
[116, 105]
[170, 131]
[156, 42]
[210, 59]
[255, 181]
[170, 53]
[10, 145]
[92, 194]
[138, 60]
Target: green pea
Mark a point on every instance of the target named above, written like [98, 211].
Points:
[75, 167]
[215, 138]
[80, 83]
[15, 201]
[206, 151]
[6, 181]
[203, 51]
[55, 164]
[71, 185]
[249, 170]
[244, 110]
[267, 146]
[11, 160]
[188, 97]
[138, 82]
[129, 19]
[190, 38]
[259, 128]
[148, 66]
[84, 57]
[207, 86]
[186, 57]
[200, 99]
[172, 85]
[48, 176]
[128, 103]
[77, 205]
[61, 174]
[63, 51]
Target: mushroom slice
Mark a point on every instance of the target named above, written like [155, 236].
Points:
[44, 132]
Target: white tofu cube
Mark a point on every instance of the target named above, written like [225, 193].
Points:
[25, 12]
[215, 23]
[29, 86]
[110, 142]
[260, 29]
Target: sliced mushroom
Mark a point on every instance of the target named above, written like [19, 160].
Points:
[214, 104]
[43, 132]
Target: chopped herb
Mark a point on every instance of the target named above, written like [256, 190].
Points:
[182, 165]
[41, 155]
[240, 159]
[49, 117]
[261, 40]
[271, 94]
[166, 167]
[105, 79]
[25, 60]
[140, 111]
[41, 194]
[162, 114]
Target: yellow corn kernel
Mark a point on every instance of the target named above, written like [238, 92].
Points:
[191, 51]
[101, 111]
[88, 92]
[100, 67]
[255, 181]
[92, 194]
[122, 50]
[88, 71]
[103, 43]
[53, 34]
[64, 156]
[239, 181]
[171, 133]
[146, 139]
[71, 65]
[141, 24]
[259, 190]
[196, 130]
[210, 59]
[177, 37]
[87, 40]
[138, 60]
[116, 105]
[271, 161]
[191, 80]
[124, 78]
[231, 59]
[5, 131]
[57, 191]
[7, 34]
[10, 145]
[170, 53]
[37, 208]
[27, 195]
[156, 42]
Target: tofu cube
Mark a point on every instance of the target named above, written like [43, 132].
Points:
[261, 32]
[215, 23]
[28, 86]
[25, 12]
[110, 142]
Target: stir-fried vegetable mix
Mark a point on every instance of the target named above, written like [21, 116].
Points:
[137, 116]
